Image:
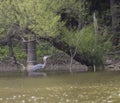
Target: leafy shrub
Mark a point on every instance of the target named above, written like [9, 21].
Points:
[94, 46]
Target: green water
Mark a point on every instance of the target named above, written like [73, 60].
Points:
[61, 88]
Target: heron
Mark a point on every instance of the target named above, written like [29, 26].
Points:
[39, 66]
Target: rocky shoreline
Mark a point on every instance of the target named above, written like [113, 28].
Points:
[61, 67]
[115, 66]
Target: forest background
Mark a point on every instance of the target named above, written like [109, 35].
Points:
[86, 30]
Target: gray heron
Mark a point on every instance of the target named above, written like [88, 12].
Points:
[39, 66]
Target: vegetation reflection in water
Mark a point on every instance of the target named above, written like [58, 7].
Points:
[62, 88]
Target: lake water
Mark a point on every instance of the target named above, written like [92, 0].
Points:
[61, 88]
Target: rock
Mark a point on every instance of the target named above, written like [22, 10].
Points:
[108, 62]
[113, 67]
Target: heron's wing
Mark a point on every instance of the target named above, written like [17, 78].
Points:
[36, 67]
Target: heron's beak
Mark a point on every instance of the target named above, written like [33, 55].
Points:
[49, 56]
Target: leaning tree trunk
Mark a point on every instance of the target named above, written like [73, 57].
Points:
[31, 54]
[65, 47]
[115, 14]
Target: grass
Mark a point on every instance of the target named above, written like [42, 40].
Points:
[62, 88]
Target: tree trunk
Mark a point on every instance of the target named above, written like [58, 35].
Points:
[31, 54]
[24, 46]
[115, 14]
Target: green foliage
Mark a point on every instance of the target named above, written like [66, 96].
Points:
[18, 52]
[38, 15]
[43, 48]
[44, 18]
[73, 13]
[4, 52]
[89, 44]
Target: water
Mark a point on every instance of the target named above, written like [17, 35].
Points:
[61, 88]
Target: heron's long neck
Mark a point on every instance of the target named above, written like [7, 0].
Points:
[44, 64]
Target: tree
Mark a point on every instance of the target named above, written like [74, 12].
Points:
[54, 21]
[40, 16]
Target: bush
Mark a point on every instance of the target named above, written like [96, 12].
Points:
[94, 46]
